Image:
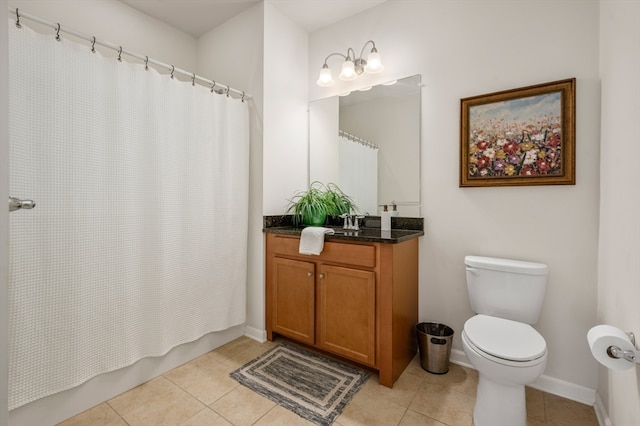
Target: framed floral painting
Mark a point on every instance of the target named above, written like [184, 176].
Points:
[523, 136]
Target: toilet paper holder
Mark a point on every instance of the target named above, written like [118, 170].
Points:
[631, 356]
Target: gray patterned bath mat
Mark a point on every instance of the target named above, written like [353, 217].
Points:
[312, 386]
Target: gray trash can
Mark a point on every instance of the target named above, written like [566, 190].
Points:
[434, 342]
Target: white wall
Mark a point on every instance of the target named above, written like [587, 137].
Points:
[466, 48]
[619, 254]
[285, 110]
[232, 53]
[240, 63]
[324, 145]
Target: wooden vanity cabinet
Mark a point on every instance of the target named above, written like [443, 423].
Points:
[355, 300]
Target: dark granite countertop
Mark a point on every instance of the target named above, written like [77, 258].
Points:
[403, 229]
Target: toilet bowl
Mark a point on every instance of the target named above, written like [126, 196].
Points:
[508, 355]
[499, 341]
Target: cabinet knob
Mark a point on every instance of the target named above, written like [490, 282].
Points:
[321, 275]
[309, 274]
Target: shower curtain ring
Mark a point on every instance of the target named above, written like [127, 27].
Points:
[18, 19]
[193, 80]
[172, 70]
[213, 85]
[242, 99]
[227, 91]
[93, 45]
[120, 54]
[146, 63]
[58, 32]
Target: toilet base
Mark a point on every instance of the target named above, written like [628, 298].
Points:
[498, 404]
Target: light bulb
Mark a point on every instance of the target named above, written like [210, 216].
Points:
[325, 79]
[348, 72]
[374, 64]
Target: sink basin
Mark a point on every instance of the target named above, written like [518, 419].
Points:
[342, 231]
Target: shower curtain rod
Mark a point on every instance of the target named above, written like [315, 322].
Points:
[357, 139]
[223, 88]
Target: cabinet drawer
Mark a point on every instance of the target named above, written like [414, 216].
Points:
[347, 253]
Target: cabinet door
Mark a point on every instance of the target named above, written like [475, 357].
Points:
[347, 312]
[293, 299]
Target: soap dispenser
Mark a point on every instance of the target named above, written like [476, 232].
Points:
[394, 209]
[385, 219]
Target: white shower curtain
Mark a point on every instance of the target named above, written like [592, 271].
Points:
[359, 174]
[138, 240]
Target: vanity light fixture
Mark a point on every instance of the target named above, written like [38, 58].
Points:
[352, 67]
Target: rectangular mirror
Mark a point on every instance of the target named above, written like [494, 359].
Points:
[368, 143]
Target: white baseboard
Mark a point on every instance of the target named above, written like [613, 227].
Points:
[544, 383]
[601, 412]
[565, 389]
[458, 357]
[256, 334]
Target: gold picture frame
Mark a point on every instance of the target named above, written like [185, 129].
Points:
[519, 137]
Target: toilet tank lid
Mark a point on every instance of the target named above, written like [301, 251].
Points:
[506, 265]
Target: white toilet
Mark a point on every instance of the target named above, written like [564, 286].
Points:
[499, 342]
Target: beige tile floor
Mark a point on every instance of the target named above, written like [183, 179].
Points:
[200, 393]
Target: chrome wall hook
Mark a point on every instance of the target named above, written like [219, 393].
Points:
[17, 204]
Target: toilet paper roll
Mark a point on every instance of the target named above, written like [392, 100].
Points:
[601, 337]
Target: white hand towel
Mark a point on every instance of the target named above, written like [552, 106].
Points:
[312, 239]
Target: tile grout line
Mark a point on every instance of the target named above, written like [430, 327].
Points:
[116, 411]
[406, 410]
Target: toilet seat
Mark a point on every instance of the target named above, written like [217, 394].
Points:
[505, 339]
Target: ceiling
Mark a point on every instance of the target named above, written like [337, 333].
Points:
[197, 17]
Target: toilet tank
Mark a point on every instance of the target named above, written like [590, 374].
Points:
[504, 288]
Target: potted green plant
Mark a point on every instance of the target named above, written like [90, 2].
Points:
[340, 202]
[311, 207]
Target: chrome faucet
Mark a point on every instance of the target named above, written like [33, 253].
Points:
[351, 221]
